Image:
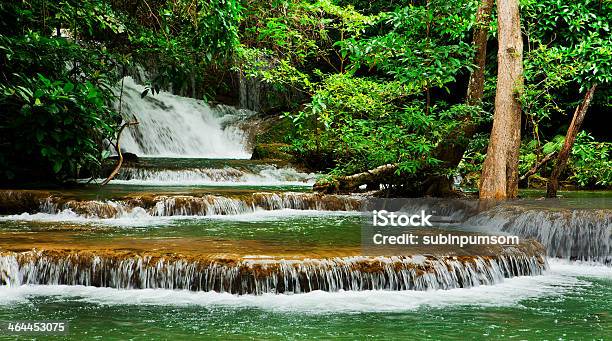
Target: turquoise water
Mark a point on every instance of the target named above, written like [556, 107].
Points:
[304, 229]
[570, 302]
[583, 312]
[573, 301]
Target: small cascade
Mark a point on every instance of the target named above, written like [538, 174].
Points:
[579, 234]
[177, 126]
[241, 276]
[187, 205]
[265, 175]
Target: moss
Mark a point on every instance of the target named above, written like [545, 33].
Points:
[275, 130]
[272, 151]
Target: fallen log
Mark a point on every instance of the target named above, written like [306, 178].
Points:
[348, 183]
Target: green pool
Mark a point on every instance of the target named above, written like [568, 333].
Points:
[563, 305]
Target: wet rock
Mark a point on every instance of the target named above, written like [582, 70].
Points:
[271, 151]
[261, 275]
[127, 157]
[20, 201]
[188, 205]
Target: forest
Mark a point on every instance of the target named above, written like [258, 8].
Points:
[416, 97]
[306, 169]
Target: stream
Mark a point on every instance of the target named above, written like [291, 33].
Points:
[195, 240]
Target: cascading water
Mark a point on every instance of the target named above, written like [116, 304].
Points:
[175, 126]
[266, 175]
[568, 229]
[581, 234]
[188, 205]
[261, 276]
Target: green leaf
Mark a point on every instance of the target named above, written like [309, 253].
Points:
[68, 87]
[57, 166]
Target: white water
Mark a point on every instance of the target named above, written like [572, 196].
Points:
[560, 279]
[583, 234]
[268, 175]
[138, 217]
[174, 126]
[261, 276]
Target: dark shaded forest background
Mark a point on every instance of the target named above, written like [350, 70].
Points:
[349, 85]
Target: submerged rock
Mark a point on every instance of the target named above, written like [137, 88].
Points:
[127, 157]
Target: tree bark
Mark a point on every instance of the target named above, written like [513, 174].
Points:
[452, 150]
[475, 89]
[499, 179]
[570, 137]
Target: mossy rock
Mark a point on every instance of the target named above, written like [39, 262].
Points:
[271, 151]
[274, 130]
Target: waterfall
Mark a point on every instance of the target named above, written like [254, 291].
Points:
[568, 229]
[188, 205]
[265, 175]
[260, 276]
[581, 234]
[175, 126]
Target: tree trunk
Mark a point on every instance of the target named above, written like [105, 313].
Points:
[570, 137]
[475, 89]
[499, 179]
[451, 151]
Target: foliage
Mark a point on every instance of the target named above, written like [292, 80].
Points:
[474, 156]
[304, 33]
[60, 124]
[422, 46]
[293, 45]
[590, 163]
[186, 40]
[56, 112]
[362, 123]
[362, 83]
[569, 47]
[351, 121]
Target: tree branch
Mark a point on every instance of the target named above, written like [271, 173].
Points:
[537, 166]
[118, 150]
